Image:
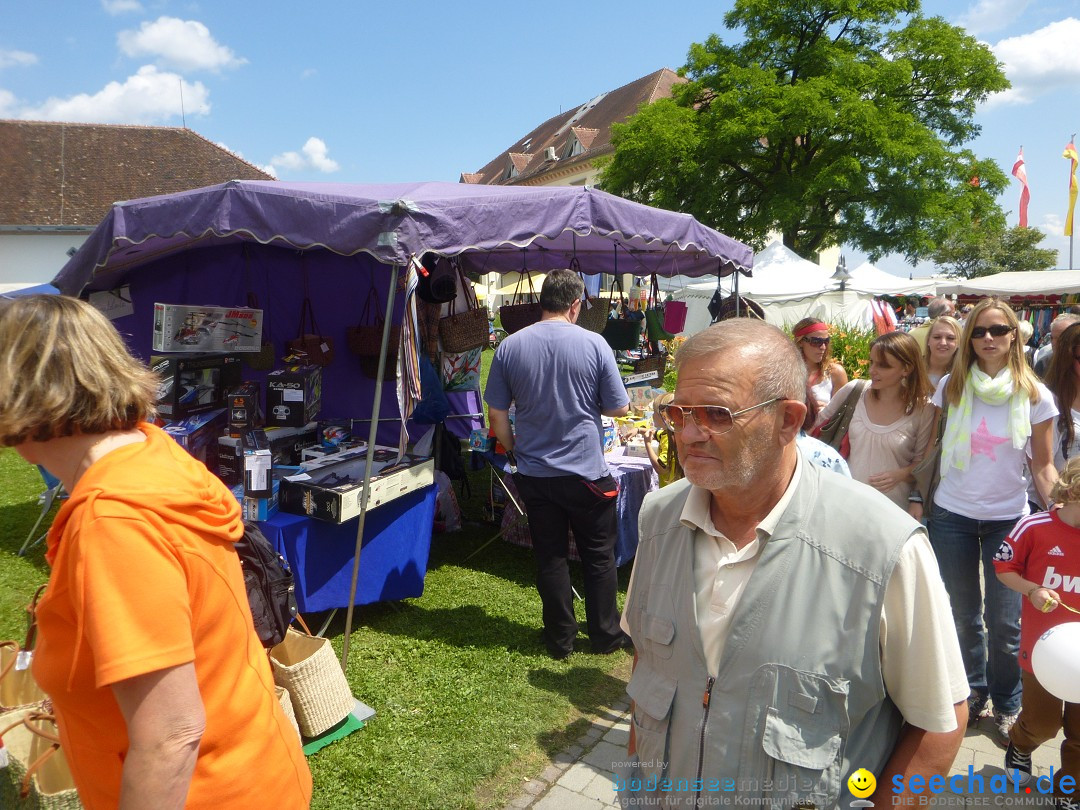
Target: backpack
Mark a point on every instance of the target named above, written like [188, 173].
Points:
[269, 584]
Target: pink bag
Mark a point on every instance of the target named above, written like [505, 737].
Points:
[674, 316]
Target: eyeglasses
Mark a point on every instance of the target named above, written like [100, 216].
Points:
[714, 419]
[997, 330]
[818, 341]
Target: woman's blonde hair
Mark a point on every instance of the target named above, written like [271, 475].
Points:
[951, 322]
[64, 370]
[1023, 377]
[1067, 487]
[904, 349]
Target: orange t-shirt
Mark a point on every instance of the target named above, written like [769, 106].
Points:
[145, 577]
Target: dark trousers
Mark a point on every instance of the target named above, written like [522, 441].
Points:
[1042, 716]
[555, 505]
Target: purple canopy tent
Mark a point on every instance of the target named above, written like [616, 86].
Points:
[337, 242]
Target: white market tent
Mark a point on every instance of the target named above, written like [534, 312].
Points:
[1032, 283]
[789, 288]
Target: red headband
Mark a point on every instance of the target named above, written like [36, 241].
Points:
[811, 327]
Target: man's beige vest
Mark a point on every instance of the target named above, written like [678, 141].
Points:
[799, 702]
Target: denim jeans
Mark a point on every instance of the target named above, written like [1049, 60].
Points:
[990, 656]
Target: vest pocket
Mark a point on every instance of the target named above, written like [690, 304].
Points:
[659, 632]
[653, 695]
[795, 726]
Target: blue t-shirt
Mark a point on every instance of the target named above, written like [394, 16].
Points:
[559, 377]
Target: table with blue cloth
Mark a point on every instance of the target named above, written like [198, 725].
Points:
[635, 477]
[393, 558]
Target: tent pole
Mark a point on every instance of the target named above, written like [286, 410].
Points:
[368, 462]
[737, 299]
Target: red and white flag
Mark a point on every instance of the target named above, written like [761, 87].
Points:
[1020, 173]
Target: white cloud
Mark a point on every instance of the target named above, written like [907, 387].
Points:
[270, 170]
[307, 73]
[149, 97]
[16, 59]
[178, 44]
[991, 15]
[1039, 62]
[115, 7]
[7, 103]
[1053, 225]
[312, 155]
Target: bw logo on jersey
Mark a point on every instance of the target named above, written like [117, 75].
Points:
[1004, 552]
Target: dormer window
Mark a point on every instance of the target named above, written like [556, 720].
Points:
[511, 170]
[574, 147]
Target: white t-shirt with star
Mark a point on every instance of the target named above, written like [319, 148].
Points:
[994, 485]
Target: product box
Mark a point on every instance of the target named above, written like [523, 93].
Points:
[257, 508]
[635, 448]
[293, 396]
[288, 443]
[332, 489]
[611, 434]
[480, 440]
[197, 434]
[245, 407]
[193, 383]
[230, 461]
[257, 463]
[183, 328]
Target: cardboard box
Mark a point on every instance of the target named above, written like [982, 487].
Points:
[193, 383]
[198, 434]
[230, 461]
[287, 443]
[332, 490]
[257, 508]
[293, 395]
[184, 328]
[245, 407]
[257, 463]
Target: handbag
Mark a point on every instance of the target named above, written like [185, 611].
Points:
[927, 473]
[593, 314]
[675, 316]
[17, 685]
[463, 331]
[621, 334]
[37, 775]
[460, 371]
[655, 314]
[834, 432]
[365, 338]
[307, 668]
[314, 349]
[516, 316]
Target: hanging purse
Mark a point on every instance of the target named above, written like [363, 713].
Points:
[621, 334]
[927, 473]
[594, 311]
[516, 316]
[463, 331]
[313, 348]
[654, 314]
[834, 432]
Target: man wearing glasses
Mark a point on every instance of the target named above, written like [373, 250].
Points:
[790, 625]
[561, 379]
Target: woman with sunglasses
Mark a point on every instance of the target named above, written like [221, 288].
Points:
[942, 340]
[1063, 380]
[892, 419]
[995, 409]
[811, 335]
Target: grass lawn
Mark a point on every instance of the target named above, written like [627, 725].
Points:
[468, 704]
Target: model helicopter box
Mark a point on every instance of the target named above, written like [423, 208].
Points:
[184, 328]
[193, 383]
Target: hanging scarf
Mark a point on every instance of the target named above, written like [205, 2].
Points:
[408, 360]
[956, 443]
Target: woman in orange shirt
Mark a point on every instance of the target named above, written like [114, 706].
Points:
[162, 691]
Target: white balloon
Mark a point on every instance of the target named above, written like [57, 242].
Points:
[1055, 660]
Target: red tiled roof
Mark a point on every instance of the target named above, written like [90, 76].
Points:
[70, 174]
[590, 123]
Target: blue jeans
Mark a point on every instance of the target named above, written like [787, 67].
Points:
[990, 658]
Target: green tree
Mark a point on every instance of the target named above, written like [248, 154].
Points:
[989, 247]
[833, 122]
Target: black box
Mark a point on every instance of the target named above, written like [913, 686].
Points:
[245, 407]
[293, 396]
[193, 383]
[230, 461]
[287, 443]
[257, 464]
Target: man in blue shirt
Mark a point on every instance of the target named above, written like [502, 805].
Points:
[561, 379]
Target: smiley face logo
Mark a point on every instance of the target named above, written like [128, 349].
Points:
[861, 783]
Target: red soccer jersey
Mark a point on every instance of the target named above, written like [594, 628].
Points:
[1044, 549]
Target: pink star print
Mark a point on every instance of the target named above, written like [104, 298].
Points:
[983, 442]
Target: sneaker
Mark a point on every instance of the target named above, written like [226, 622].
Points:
[1002, 723]
[1017, 762]
[976, 708]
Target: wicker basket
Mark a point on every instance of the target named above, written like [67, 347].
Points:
[463, 331]
[285, 701]
[17, 686]
[50, 786]
[305, 666]
[654, 362]
[516, 317]
[593, 315]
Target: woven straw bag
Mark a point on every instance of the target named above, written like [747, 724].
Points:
[18, 689]
[463, 331]
[285, 701]
[593, 315]
[516, 316]
[37, 775]
[306, 666]
[654, 362]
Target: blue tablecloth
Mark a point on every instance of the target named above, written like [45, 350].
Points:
[393, 559]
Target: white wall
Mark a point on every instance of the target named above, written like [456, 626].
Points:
[35, 258]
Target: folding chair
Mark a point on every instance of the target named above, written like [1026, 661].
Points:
[54, 489]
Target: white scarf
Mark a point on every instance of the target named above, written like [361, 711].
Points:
[956, 442]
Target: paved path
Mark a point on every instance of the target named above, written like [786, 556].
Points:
[580, 778]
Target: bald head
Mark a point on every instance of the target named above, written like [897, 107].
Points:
[776, 360]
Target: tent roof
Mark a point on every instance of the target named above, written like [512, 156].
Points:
[1034, 282]
[488, 226]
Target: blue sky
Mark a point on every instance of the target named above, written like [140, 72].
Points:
[366, 92]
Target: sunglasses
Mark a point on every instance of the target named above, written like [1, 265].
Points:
[818, 341]
[713, 419]
[997, 330]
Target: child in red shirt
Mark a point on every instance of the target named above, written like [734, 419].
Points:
[1041, 559]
